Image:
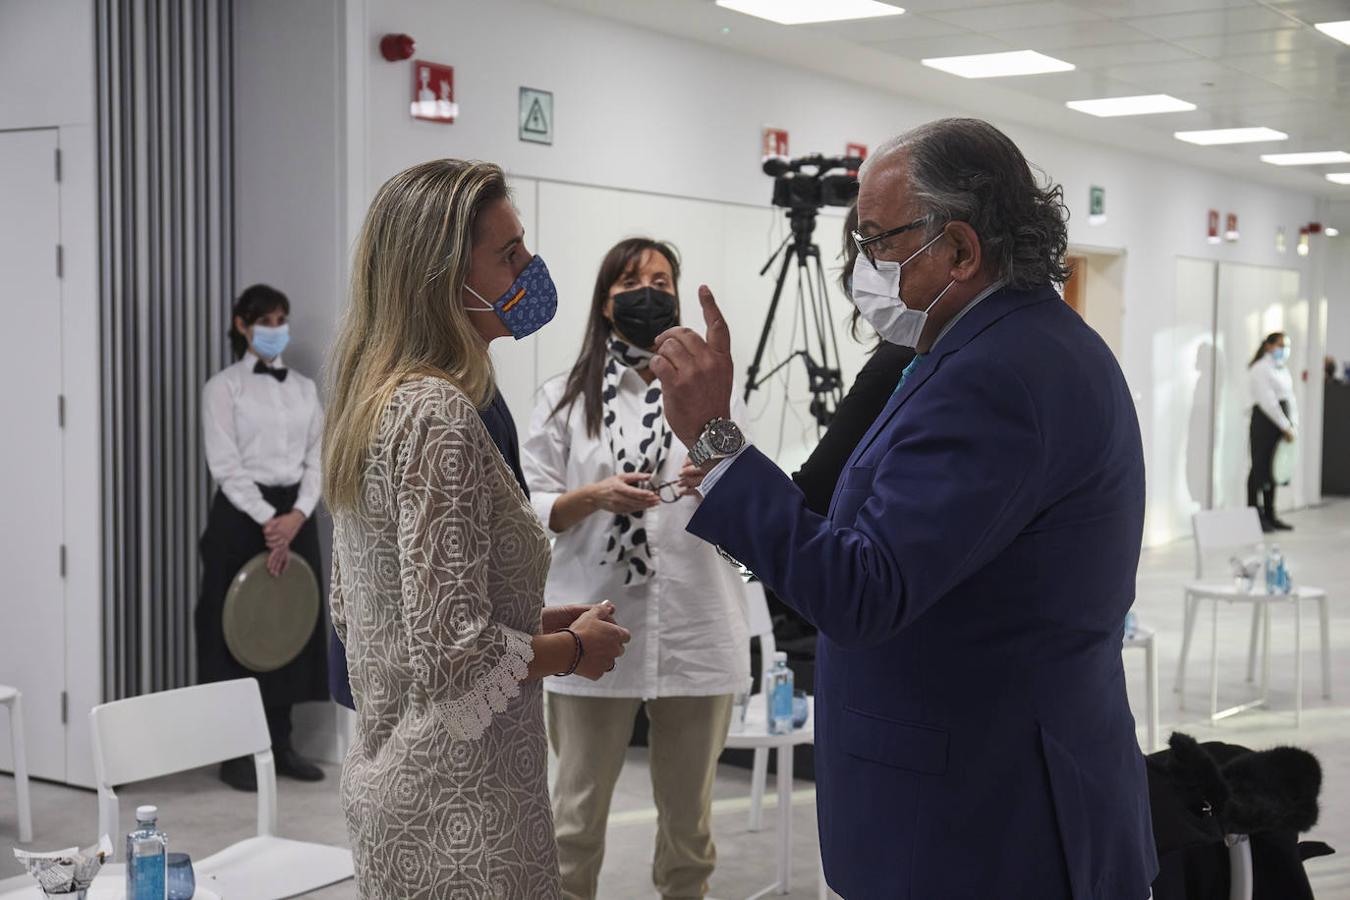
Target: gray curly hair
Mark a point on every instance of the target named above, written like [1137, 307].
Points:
[967, 170]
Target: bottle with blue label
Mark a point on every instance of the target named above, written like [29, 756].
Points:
[1277, 573]
[778, 695]
[147, 858]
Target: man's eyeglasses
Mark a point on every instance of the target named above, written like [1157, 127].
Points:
[864, 244]
[668, 491]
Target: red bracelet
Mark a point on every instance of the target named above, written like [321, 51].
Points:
[581, 653]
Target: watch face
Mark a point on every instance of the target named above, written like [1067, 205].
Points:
[724, 437]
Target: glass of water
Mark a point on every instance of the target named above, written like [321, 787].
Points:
[182, 880]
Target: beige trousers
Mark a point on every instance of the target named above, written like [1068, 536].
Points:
[589, 736]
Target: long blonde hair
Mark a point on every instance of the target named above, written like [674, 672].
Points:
[404, 316]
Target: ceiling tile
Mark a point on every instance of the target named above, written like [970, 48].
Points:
[890, 28]
[1127, 8]
[1183, 75]
[949, 45]
[1313, 11]
[1282, 40]
[994, 19]
[1267, 64]
[1212, 22]
[1063, 86]
[1070, 34]
[1124, 54]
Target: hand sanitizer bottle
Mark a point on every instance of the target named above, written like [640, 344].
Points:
[147, 858]
[779, 695]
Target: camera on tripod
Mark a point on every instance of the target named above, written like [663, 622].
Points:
[796, 189]
[804, 186]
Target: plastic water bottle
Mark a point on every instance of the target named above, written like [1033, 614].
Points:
[779, 695]
[147, 858]
[1283, 583]
[1273, 561]
[1131, 625]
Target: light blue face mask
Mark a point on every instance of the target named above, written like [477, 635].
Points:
[269, 342]
[1280, 354]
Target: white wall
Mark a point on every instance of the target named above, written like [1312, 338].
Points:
[47, 81]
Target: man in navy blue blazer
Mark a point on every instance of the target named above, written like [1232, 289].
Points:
[970, 583]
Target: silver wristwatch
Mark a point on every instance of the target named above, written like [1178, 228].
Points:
[720, 439]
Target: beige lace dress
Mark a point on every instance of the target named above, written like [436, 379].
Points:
[438, 583]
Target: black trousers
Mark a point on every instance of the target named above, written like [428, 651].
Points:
[230, 541]
[1265, 436]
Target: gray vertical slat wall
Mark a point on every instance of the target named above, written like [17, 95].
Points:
[166, 263]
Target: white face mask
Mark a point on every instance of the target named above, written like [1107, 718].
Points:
[876, 293]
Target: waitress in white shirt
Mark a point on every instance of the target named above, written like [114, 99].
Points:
[1274, 419]
[609, 478]
[262, 424]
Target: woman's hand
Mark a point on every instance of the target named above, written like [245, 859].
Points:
[603, 641]
[619, 494]
[282, 529]
[691, 476]
[556, 618]
[278, 561]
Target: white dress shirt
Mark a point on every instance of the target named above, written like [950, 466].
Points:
[1270, 382]
[690, 637]
[259, 430]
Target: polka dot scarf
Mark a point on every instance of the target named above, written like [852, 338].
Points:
[643, 451]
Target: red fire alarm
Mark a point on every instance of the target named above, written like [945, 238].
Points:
[396, 47]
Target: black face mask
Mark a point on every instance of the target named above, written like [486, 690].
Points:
[643, 314]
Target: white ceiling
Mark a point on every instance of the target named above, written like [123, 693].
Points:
[1242, 62]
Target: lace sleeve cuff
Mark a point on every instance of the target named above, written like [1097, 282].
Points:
[468, 715]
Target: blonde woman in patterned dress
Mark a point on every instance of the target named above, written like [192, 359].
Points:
[438, 560]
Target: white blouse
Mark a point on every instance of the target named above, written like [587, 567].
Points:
[690, 637]
[1270, 382]
[258, 430]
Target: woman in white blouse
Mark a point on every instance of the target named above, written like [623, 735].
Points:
[1274, 419]
[262, 424]
[611, 481]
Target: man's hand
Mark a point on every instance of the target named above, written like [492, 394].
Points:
[556, 618]
[282, 529]
[696, 374]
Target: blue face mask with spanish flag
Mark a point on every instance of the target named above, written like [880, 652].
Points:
[528, 304]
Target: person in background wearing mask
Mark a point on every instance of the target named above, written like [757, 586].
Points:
[438, 560]
[971, 579]
[1274, 419]
[261, 427]
[610, 479]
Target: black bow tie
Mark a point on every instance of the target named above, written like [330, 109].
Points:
[263, 368]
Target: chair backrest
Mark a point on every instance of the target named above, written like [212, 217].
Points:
[159, 734]
[760, 624]
[172, 731]
[1221, 534]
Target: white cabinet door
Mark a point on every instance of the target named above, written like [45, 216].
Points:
[32, 595]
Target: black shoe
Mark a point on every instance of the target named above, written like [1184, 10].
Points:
[1267, 526]
[240, 774]
[1281, 526]
[293, 765]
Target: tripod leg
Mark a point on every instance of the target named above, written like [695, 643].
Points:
[753, 371]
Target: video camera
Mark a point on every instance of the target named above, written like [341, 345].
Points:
[795, 189]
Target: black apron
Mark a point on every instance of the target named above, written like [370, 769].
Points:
[230, 541]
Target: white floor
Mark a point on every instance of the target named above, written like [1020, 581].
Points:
[200, 815]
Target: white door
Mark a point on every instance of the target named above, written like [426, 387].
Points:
[32, 596]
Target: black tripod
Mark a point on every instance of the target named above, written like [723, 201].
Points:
[824, 378]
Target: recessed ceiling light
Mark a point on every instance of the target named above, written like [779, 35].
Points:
[999, 65]
[1329, 231]
[803, 12]
[1319, 158]
[1339, 30]
[1141, 105]
[1339, 177]
[1230, 136]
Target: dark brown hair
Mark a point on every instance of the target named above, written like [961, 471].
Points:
[254, 303]
[585, 378]
[1273, 338]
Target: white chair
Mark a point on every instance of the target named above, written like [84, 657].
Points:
[1143, 639]
[754, 735]
[12, 699]
[1241, 881]
[1220, 535]
[159, 734]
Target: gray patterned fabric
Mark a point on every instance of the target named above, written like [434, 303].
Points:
[438, 580]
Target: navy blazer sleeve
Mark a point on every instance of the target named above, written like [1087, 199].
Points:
[946, 484]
